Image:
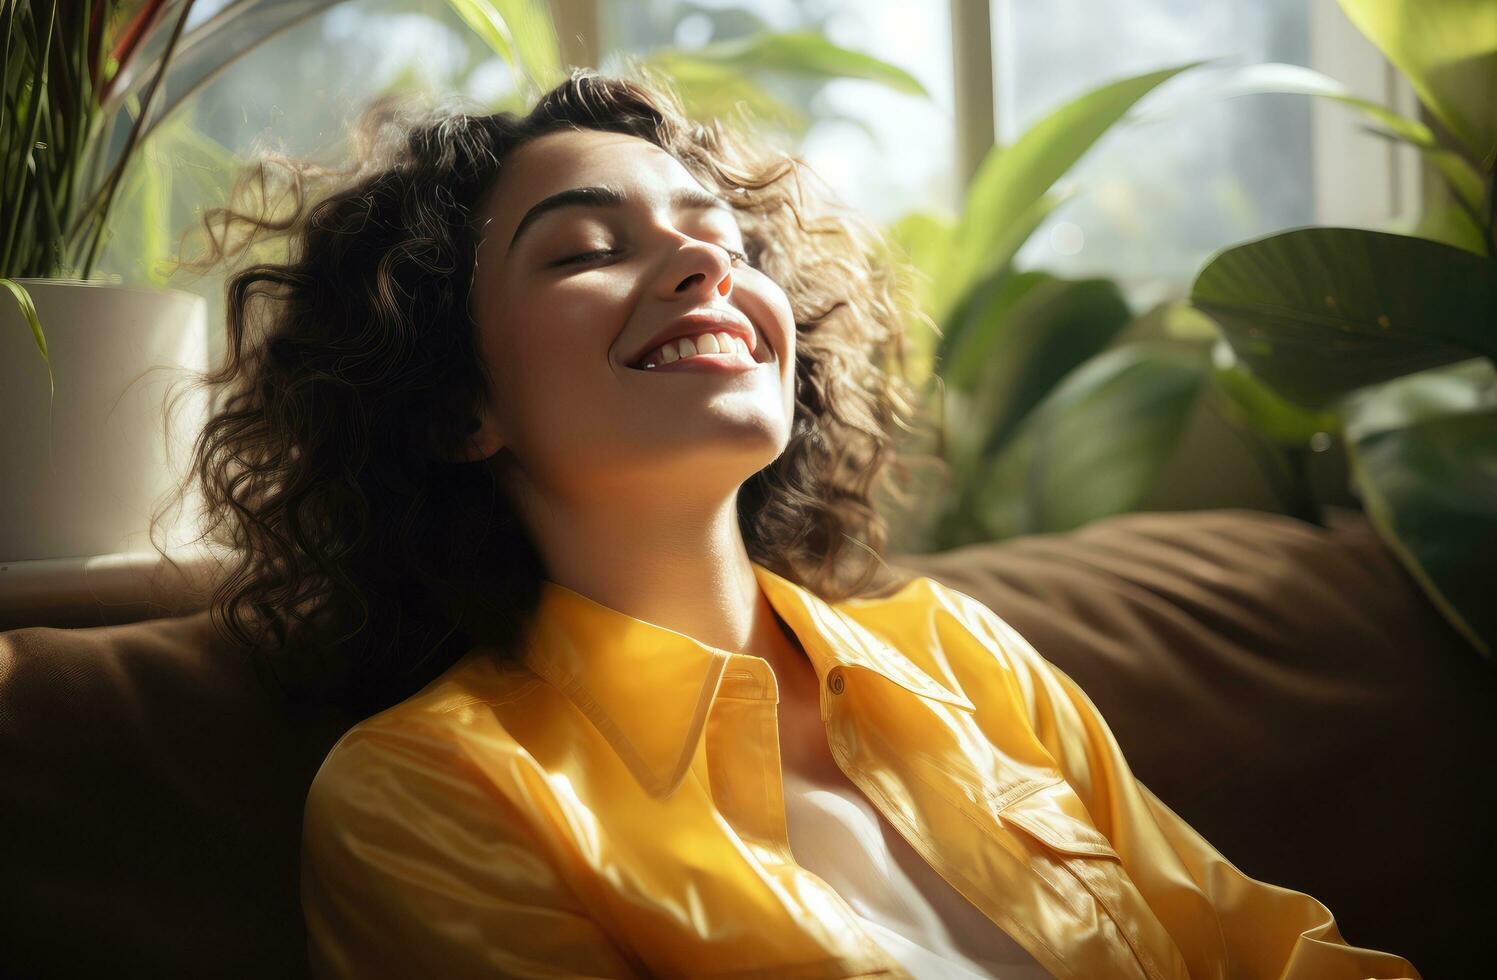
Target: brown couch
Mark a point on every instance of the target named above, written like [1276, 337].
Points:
[1286, 688]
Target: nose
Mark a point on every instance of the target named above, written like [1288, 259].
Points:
[697, 266]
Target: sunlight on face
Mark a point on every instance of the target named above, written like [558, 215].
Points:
[564, 306]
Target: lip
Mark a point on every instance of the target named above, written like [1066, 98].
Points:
[710, 320]
[710, 363]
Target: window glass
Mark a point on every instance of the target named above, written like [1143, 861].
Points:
[1157, 199]
[881, 151]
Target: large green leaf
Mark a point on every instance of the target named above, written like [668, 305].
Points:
[716, 79]
[921, 242]
[1448, 51]
[1452, 223]
[1011, 181]
[519, 31]
[1460, 177]
[1319, 312]
[1423, 457]
[980, 312]
[1005, 241]
[1095, 445]
[1024, 333]
[925, 238]
[713, 90]
[1451, 389]
[805, 54]
[1259, 406]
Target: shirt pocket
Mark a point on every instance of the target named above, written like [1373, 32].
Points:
[1087, 872]
[1046, 815]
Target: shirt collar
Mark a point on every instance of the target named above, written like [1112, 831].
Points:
[648, 689]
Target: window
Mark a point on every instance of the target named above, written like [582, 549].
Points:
[882, 151]
[1156, 200]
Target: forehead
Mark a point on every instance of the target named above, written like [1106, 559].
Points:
[567, 159]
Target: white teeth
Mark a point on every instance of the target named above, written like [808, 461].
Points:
[707, 343]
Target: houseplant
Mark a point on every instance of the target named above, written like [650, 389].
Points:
[1023, 363]
[84, 87]
[89, 465]
[1395, 335]
[1030, 363]
[1008, 352]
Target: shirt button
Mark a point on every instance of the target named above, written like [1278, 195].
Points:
[835, 682]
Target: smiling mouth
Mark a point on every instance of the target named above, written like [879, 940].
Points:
[761, 354]
[721, 362]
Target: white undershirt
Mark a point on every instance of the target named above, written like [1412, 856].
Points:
[906, 906]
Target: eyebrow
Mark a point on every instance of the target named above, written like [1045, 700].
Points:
[682, 199]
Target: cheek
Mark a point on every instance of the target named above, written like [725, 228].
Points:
[565, 332]
[552, 356]
[773, 302]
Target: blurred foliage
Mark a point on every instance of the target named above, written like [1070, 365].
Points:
[1395, 336]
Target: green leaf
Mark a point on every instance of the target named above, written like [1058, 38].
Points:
[1095, 445]
[806, 54]
[1448, 51]
[1005, 242]
[1459, 176]
[1010, 183]
[1260, 407]
[28, 310]
[519, 31]
[1451, 389]
[1430, 489]
[1450, 222]
[1024, 332]
[926, 240]
[709, 89]
[1051, 331]
[982, 309]
[921, 242]
[1180, 320]
[1319, 312]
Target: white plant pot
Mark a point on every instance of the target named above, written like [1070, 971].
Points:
[84, 478]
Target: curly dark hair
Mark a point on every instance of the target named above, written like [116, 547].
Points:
[360, 565]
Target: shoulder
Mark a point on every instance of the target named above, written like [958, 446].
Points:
[452, 736]
[963, 643]
[924, 612]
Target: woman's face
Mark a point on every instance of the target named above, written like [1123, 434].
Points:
[559, 328]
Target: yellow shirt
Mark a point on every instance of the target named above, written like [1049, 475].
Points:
[613, 807]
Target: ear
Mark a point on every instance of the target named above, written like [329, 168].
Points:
[486, 440]
[483, 441]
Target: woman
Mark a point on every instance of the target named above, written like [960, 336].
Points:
[559, 447]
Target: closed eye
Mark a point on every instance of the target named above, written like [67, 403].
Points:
[733, 253]
[583, 256]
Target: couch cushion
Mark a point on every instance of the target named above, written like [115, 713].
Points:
[1284, 687]
[150, 805]
[1290, 692]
